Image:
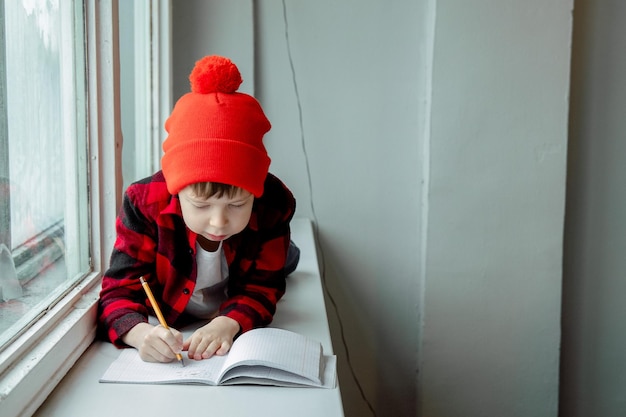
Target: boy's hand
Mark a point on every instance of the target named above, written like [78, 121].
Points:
[214, 338]
[155, 343]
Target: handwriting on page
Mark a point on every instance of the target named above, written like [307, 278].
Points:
[149, 372]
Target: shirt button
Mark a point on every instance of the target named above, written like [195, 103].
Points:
[186, 291]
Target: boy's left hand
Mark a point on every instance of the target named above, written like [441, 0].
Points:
[214, 338]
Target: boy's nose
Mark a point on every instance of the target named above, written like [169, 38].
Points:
[218, 218]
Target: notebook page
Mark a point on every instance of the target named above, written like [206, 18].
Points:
[130, 368]
[262, 375]
[278, 348]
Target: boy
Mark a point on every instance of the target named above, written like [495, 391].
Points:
[209, 232]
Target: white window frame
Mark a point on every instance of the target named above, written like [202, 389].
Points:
[33, 364]
[153, 82]
[146, 76]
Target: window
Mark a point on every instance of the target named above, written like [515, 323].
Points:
[59, 186]
[43, 147]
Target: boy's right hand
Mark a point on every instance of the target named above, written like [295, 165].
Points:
[154, 343]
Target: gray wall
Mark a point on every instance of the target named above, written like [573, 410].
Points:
[361, 77]
[212, 28]
[431, 153]
[593, 377]
[498, 144]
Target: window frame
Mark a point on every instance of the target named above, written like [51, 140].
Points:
[32, 365]
[151, 86]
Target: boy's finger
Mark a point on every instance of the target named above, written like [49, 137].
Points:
[174, 342]
[223, 350]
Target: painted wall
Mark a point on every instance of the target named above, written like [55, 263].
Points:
[213, 27]
[428, 141]
[593, 377]
[360, 75]
[498, 144]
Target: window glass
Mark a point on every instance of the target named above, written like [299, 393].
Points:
[43, 174]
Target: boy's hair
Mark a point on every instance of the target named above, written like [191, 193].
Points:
[214, 189]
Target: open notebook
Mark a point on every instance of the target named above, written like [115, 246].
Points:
[265, 356]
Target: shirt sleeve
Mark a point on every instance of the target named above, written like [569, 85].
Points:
[122, 299]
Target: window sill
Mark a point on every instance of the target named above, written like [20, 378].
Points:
[48, 350]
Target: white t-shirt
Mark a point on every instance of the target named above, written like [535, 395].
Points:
[210, 291]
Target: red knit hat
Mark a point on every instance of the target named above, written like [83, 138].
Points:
[215, 134]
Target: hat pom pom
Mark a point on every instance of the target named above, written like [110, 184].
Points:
[215, 74]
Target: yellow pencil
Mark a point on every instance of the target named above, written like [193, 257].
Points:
[157, 310]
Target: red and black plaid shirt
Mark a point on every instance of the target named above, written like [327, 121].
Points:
[153, 242]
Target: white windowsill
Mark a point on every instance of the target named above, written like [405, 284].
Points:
[48, 350]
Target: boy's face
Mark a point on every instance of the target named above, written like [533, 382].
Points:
[214, 218]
